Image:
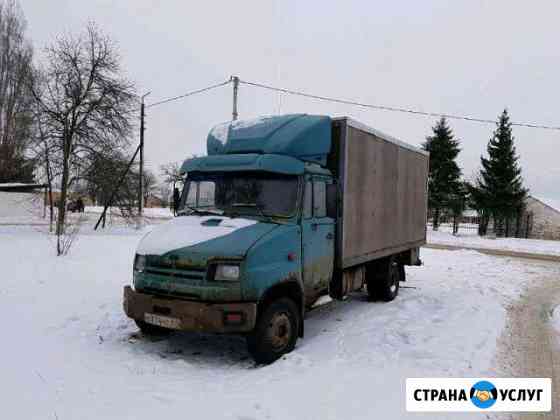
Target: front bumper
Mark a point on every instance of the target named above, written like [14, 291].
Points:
[193, 316]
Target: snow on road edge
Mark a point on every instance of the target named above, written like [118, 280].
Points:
[535, 246]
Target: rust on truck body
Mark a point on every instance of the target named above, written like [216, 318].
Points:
[193, 316]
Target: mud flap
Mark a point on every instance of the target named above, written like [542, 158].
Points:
[335, 286]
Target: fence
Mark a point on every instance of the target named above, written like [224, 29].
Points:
[520, 227]
[466, 228]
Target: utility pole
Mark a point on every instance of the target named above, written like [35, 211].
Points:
[115, 189]
[235, 80]
[141, 179]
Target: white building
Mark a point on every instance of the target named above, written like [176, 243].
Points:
[21, 203]
[545, 218]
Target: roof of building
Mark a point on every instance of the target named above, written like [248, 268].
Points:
[20, 187]
[550, 202]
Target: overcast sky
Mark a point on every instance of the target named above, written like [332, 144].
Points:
[471, 57]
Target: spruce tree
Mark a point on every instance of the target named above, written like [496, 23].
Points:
[500, 184]
[444, 180]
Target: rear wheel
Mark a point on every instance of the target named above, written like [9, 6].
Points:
[149, 329]
[276, 331]
[383, 278]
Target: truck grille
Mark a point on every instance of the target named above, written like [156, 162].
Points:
[179, 276]
[156, 261]
[176, 273]
[174, 267]
[164, 293]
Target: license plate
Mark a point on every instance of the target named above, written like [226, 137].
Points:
[162, 321]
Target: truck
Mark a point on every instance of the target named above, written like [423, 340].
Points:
[282, 211]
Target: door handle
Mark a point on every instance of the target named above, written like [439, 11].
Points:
[330, 236]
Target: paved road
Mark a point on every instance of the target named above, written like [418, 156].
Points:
[498, 252]
[529, 347]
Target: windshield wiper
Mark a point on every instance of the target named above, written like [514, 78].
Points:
[185, 209]
[253, 205]
[200, 211]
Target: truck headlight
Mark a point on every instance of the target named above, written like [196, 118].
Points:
[139, 263]
[226, 272]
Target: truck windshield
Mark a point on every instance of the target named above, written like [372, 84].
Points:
[240, 194]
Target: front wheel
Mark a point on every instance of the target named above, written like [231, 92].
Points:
[276, 331]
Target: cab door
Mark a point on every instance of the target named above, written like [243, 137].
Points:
[318, 238]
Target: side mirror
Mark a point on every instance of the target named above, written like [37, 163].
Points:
[332, 199]
[176, 198]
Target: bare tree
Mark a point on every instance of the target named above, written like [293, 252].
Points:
[87, 105]
[171, 173]
[15, 96]
[41, 152]
[164, 192]
[149, 184]
[102, 175]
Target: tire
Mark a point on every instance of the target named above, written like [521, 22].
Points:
[276, 331]
[384, 278]
[149, 329]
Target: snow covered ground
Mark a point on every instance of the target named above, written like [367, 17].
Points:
[27, 209]
[150, 212]
[471, 239]
[69, 352]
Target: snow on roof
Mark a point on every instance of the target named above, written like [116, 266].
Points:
[221, 131]
[16, 184]
[550, 202]
[20, 186]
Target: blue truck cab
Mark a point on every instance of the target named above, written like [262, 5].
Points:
[258, 238]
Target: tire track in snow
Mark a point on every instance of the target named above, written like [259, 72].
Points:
[529, 346]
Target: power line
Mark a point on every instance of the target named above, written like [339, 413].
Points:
[176, 98]
[394, 109]
[194, 92]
